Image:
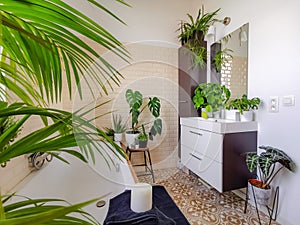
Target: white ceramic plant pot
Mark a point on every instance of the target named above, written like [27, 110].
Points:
[118, 137]
[247, 116]
[232, 114]
[262, 196]
[217, 114]
[130, 138]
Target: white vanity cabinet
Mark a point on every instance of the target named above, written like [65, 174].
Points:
[212, 148]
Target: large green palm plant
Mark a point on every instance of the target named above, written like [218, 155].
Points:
[39, 48]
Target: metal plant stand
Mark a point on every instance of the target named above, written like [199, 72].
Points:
[272, 210]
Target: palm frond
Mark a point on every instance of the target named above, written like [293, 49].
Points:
[37, 48]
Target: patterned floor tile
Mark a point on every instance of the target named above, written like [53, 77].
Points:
[202, 205]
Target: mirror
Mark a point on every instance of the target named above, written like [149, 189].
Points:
[229, 61]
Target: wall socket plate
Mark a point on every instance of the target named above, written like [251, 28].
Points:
[288, 100]
[273, 104]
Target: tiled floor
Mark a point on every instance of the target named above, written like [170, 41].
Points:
[202, 205]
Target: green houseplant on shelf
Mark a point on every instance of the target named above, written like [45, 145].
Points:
[136, 107]
[192, 35]
[210, 98]
[37, 55]
[268, 165]
[143, 138]
[244, 106]
[119, 127]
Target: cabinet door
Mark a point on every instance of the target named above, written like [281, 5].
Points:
[189, 76]
[206, 168]
[203, 142]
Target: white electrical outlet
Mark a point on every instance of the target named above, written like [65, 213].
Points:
[273, 104]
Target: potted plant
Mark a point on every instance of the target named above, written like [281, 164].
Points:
[119, 127]
[136, 107]
[266, 165]
[143, 138]
[244, 106]
[192, 35]
[210, 98]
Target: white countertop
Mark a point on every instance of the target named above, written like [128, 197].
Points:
[221, 126]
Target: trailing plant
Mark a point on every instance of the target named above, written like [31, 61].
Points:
[211, 96]
[244, 104]
[136, 107]
[222, 57]
[199, 54]
[192, 34]
[266, 162]
[201, 23]
[118, 125]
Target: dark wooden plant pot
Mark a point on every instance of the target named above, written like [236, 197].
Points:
[262, 196]
[143, 144]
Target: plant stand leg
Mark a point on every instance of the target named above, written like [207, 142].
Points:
[246, 201]
[273, 211]
[256, 204]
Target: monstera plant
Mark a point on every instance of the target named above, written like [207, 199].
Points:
[41, 55]
[137, 106]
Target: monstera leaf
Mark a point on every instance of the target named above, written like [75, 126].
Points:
[154, 106]
[134, 98]
[156, 128]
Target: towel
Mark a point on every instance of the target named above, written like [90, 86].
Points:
[163, 212]
[119, 212]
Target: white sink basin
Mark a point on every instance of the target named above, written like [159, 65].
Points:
[221, 126]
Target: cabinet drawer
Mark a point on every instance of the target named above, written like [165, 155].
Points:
[206, 168]
[203, 142]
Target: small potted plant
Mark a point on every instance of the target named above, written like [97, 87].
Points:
[244, 107]
[119, 127]
[136, 107]
[210, 98]
[266, 165]
[143, 138]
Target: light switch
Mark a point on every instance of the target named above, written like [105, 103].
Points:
[274, 104]
[288, 100]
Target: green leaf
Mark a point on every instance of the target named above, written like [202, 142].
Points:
[134, 98]
[154, 106]
[252, 161]
[42, 214]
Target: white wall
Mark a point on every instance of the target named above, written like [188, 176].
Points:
[274, 61]
[146, 20]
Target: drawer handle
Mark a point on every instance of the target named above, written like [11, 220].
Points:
[197, 157]
[183, 101]
[193, 132]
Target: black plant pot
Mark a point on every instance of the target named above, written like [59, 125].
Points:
[143, 144]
